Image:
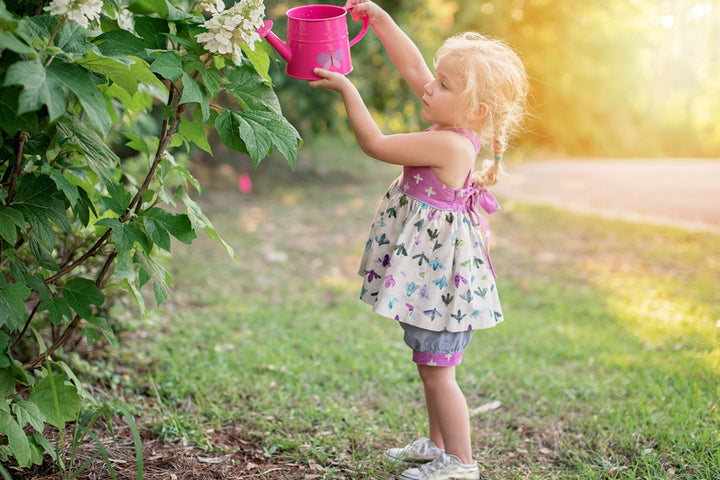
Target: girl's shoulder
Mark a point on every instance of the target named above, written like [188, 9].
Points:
[465, 132]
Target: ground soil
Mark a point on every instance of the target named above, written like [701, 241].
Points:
[233, 458]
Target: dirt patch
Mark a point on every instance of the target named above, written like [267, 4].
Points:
[234, 457]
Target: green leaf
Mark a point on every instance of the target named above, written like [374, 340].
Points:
[9, 41]
[159, 222]
[151, 270]
[119, 198]
[38, 89]
[199, 221]
[10, 220]
[195, 133]
[17, 440]
[12, 305]
[125, 235]
[168, 65]
[35, 199]
[80, 293]
[92, 101]
[72, 38]
[10, 121]
[255, 133]
[120, 42]
[137, 143]
[100, 158]
[259, 57]
[62, 183]
[194, 92]
[212, 80]
[152, 30]
[146, 7]
[58, 309]
[42, 255]
[59, 402]
[250, 90]
[117, 71]
[27, 412]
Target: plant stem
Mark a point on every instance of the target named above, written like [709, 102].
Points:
[99, 281]
[167, 132]
[16, 168]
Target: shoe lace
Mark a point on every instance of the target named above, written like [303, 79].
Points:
[436, 465]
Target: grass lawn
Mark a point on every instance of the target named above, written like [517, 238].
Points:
[607, 365]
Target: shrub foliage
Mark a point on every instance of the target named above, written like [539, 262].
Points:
[91, 112]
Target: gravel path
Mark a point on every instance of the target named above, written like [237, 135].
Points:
[680, 192]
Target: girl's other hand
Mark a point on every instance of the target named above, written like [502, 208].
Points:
[329, 80]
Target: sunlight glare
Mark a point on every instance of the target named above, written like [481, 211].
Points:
[667, 21]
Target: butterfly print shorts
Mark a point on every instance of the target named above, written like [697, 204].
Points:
[436, 349]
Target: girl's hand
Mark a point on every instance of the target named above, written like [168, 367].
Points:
[364, 8]
[329, 80]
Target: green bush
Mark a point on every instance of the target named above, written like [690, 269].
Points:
[94, 97]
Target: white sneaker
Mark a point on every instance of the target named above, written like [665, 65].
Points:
[445, 467]
[421, 450]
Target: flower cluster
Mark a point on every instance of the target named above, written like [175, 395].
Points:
[232, 27]
[210, 6]
[81, 12]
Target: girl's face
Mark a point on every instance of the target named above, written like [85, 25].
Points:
[442, 100]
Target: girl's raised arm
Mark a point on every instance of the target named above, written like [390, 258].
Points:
[446, 151]
[400, 48]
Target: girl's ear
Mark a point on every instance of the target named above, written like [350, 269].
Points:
[481, 112]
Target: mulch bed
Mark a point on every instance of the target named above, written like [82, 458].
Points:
[235, 458]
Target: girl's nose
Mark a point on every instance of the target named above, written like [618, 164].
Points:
[428, 87]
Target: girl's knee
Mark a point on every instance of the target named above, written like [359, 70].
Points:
[436, 377]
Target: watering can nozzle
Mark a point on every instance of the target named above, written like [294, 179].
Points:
[277, 44]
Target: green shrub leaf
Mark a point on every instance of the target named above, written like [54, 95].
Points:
[80, 293]
[12, 305]
[168, 65]
[255, 133]
[37, 90]
[161, 222]
[27, 412]
[18, 442]
[57, 401]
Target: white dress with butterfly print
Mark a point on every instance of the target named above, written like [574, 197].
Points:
[425, 261]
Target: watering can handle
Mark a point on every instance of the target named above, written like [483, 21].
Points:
[366, 24]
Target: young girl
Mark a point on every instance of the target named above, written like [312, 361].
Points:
[426, 263]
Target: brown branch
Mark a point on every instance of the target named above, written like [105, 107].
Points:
[16, 169]
[27, 324]
[68, 268]
[167, 132]
[99, 282]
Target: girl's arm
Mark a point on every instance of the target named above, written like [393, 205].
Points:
[400, 48]
[451, 155]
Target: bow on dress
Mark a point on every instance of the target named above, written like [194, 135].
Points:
[479, 197]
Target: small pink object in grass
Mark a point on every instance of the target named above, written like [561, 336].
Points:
[244, 183]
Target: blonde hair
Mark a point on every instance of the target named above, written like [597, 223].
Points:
[494, 76]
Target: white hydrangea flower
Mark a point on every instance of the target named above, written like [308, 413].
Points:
[232, 27]
[81, 12]
[210, 6]
[124, 18]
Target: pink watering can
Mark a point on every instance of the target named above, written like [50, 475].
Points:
[317, 36]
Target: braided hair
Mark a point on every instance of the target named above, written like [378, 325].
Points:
[496, 88]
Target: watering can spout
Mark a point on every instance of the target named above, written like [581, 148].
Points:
[274, 41]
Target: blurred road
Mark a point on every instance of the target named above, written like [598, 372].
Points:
[681, 192]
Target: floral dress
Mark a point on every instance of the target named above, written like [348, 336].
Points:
[426, 262]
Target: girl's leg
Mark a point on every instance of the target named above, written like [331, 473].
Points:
[447, 411]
